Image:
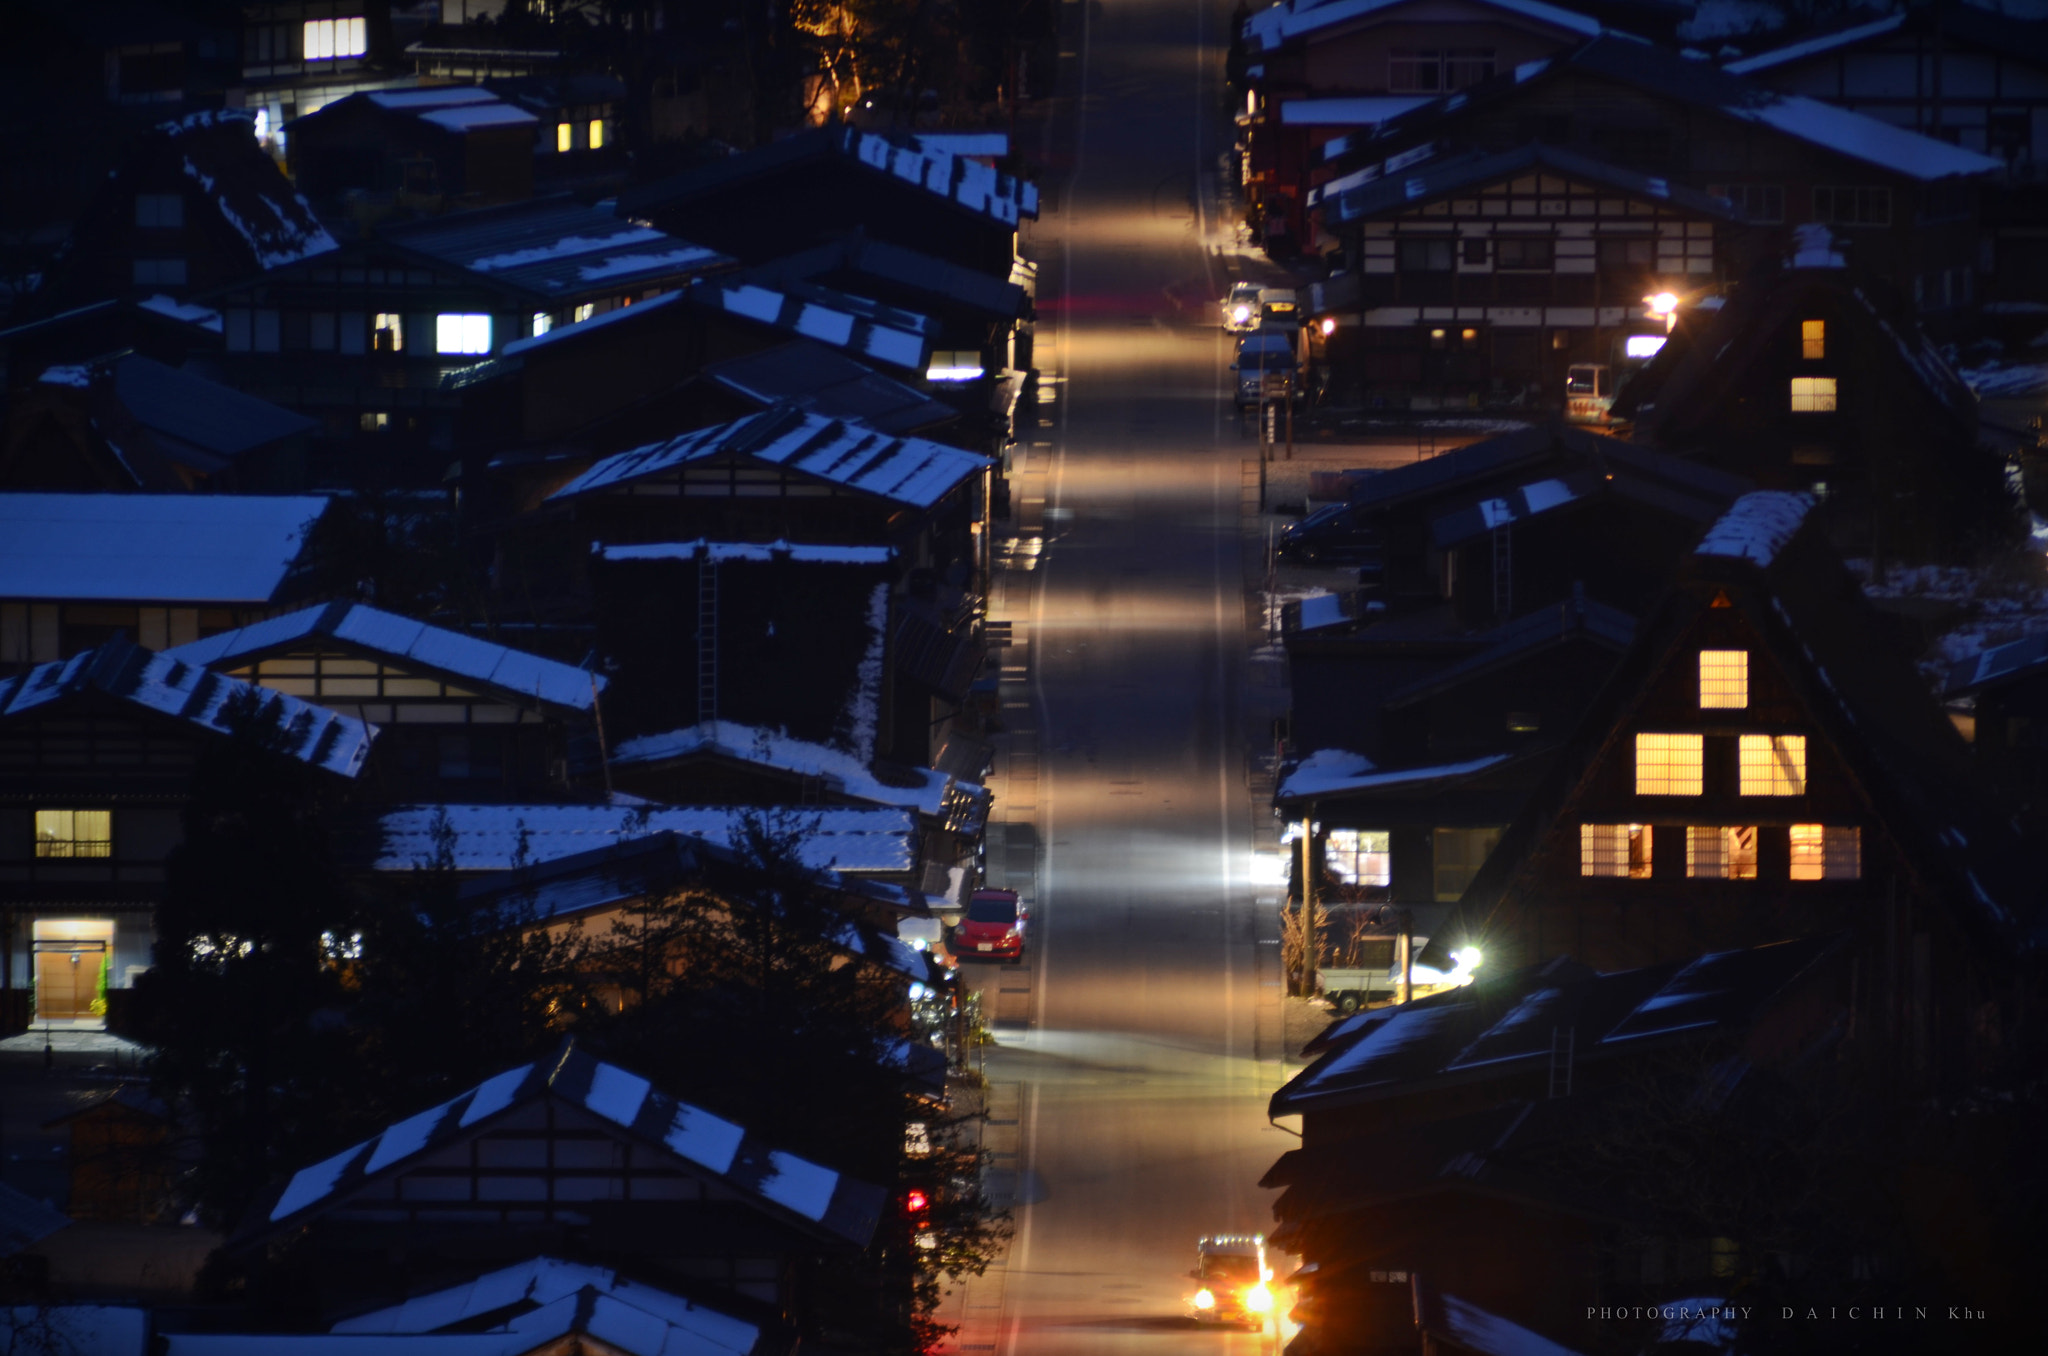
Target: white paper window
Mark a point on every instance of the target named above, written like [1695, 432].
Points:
[1669, 764]
[462, 333]
[327, 39]
[1621, 850]
[1773, 765]
[389, 328]
[1813, 339]
[1720, 851]
[1827, 852]
[1813, 395]
[542, 322]
[1724, 679]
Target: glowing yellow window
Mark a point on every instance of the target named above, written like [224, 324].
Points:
[565, 136]
[596, 133]
[1827, 852]
[1720, 851]
[74, 833]
[1813, 338]
[1813, 395]
[1773, 765]
[1724, 678]
[1615, 850]
[1669, 764]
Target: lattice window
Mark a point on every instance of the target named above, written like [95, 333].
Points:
[1724, 679]
[1621, 850]
[1773, 765]
[74, 833]
[1359, 857]
[1720, 851]
[1827, 852]
[1813, 339]
[1669, 764]
[1813, 395]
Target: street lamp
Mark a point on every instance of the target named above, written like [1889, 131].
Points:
[1664, 306]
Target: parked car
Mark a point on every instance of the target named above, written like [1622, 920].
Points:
[993, 928]
[1241, 308]
[1333, 535]
[1265, 367]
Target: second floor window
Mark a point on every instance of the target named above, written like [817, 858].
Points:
[1813, 339]
[327, 39]
[74, 833]
[462, 333]
[389, 332]
[1813, 395]
[1425, 254]
[1853, 206]
[1533, 252]
[1615, 850]
[1424, 70]
[1670, 764]
[1759, 202]
[161, 211]
[1772, 765]
[1724, 679]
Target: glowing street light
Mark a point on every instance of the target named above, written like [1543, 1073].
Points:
[1664, 306]
[1329, 326]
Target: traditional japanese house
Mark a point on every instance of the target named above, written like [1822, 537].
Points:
[128, 422]
[1482, 277]
[443, 145]
[99, 754]
[1814, 377]
[764, 204]
[1998, 698]
[194, 207]
[78, 569]
[363, 338]
[462, 718]
[570, 1156]
[1910, 201]
[299, 55]
[1764, 764]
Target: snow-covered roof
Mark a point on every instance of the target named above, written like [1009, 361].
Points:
[723, 552]
[1864, 138]
[438, 96]
[852, 840]
[189, 312]
[555, 248]
[1757, 527]
[2026, 655]
[1360, 112]
[1274, 27]
[1532, 500]
[968, 182]
[219, 153]
[841, 771]
[827, 382]
[405, 642]
[544, 1283]
[192, 549]
[1335, 772]
[161, 684]
[911, 471]
[472, 117]
[1826, 42]
[839, 1205]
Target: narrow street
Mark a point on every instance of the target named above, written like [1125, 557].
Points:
[1138, 1042]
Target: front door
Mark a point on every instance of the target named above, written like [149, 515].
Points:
[67, 978]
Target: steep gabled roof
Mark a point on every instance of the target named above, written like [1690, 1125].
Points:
[166, 687]
[1769, 559]
[153, 548]
[1607, 626]
[952, 181]
[908, 471]
[405, 643]
[219, 153]
[835, 1209]
[1699, 84]
[1270, 29]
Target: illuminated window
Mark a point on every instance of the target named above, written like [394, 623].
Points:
[1813, 338]
[1813, 395]
[1827, 852]
[542, 322]
[462, 333]
[954, 365]
[1773, 765]
[596, 133]
[1724, 678]
[585, 311]
[565, 136]
[74, 833]
[389, 332]
[1669, 764]
[1359, 857]
[327, 39]
[1642, 345]
[1614, 850]
[1721, 851]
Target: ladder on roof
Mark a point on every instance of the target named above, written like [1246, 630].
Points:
[1563, 1039]
[707, 640]
[1503, 571]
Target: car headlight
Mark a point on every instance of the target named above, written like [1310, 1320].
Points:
[1241, 314]
[1259, 1299]
[1204, 1300]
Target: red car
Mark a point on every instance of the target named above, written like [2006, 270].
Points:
[993, 928]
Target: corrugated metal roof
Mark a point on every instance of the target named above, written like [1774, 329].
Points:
[204, 413]
[404, 642]
[557, 248]
[158, 683]
[912, 471]
[152, 548]
[824, 382]
[796, 1187]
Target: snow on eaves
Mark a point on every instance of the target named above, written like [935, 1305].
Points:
[726, 552]
[842, 771]
[1799, 51]
[1273, 28]
[403, 642]
[1333, 772]
[204, 317]
[566, 247]
[976, 186]
[1757, 527]
[275, 220]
